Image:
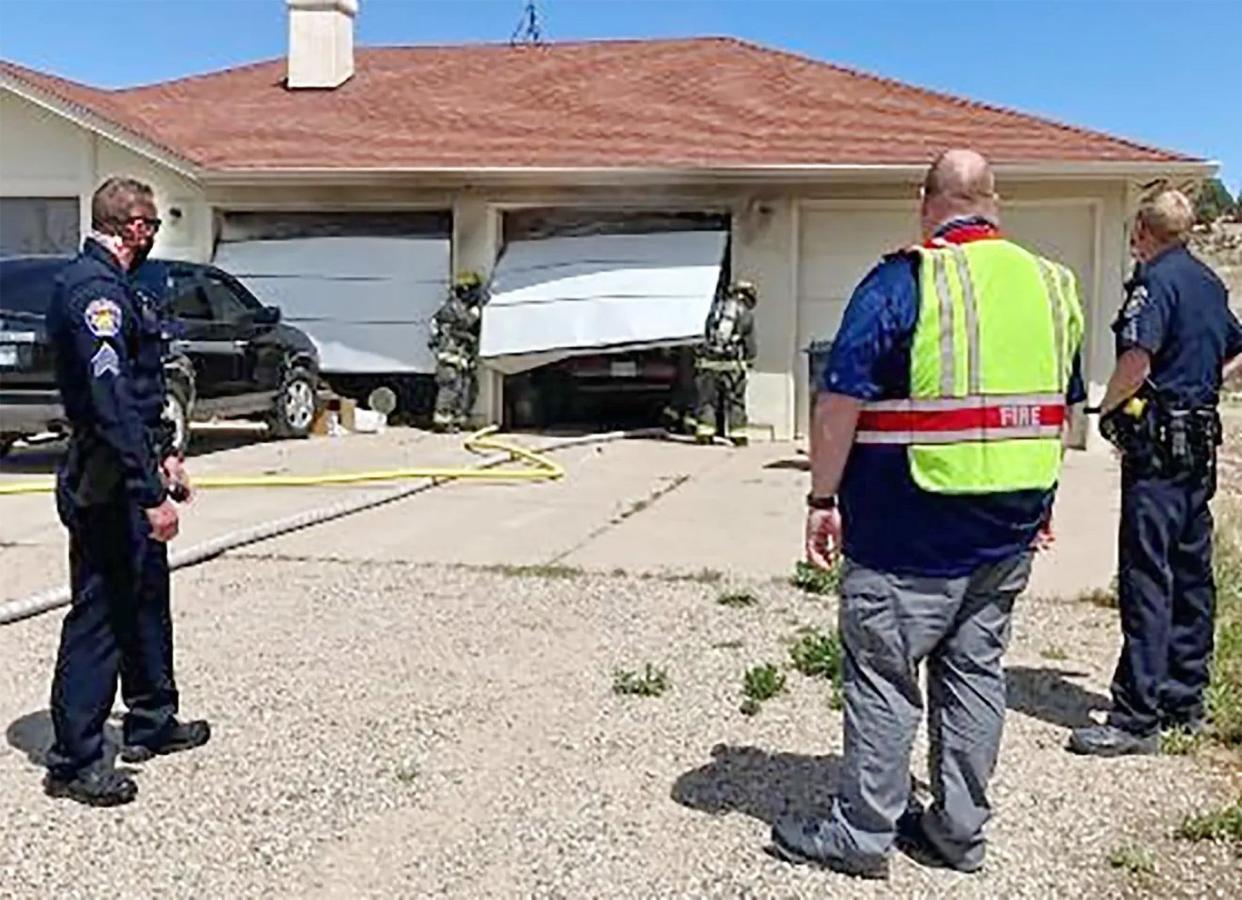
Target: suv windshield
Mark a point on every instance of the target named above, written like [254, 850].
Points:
[26, 284]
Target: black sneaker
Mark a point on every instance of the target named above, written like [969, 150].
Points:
[97, 786]
[802, 841]
[182, 736]
[1109, 740]
[912, 840]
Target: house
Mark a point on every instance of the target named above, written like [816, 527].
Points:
[638, 171]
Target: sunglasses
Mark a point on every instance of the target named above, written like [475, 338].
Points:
[152, 222]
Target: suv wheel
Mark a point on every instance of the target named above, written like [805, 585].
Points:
[177, 411]
[295, 406]
[6, 444]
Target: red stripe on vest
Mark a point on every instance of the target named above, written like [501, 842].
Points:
[986, 417]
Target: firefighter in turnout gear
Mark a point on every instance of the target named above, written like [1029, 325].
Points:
[727, 354]
[455, 342]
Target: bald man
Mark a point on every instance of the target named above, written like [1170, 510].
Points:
[936, 453]
[1174, 335]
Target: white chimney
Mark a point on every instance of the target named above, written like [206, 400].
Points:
[321, 42]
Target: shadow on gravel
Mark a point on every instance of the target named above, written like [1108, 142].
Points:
[32, 735]
[761, 785]
[1050, 695]
[797, 465]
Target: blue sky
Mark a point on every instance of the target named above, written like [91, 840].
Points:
[1165, 72]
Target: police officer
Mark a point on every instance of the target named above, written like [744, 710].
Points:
[114, 493]
[455, 342]
[1173, 334]
[727, 354]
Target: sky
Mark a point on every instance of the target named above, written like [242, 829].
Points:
[1163, 72]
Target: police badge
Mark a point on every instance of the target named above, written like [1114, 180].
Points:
[103, 318]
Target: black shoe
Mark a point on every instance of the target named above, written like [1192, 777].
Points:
[912, 840]
[801, 840]
[182, 736]
[96, 786]
[1109, 740]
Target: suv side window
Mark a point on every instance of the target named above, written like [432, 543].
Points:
[226, 306]
[189, 301]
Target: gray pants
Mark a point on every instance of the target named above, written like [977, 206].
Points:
[889, 625]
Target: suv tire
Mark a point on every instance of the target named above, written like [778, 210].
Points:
[177, 411]
[296, 405]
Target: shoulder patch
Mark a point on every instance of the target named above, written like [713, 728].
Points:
[1135, 301]
[105, 361]
[103, 317]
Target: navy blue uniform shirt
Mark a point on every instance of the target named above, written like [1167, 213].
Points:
[1178, 311]
[109, 364]
[890, 523]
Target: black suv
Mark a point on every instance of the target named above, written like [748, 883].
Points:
[230, 356]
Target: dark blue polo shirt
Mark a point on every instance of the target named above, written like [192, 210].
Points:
[1178, 311]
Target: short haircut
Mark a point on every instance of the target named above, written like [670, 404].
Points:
[115, 200]
[1168, 215]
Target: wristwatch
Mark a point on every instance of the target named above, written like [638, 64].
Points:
[820, 503]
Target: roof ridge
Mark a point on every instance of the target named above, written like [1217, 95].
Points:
[958, 99]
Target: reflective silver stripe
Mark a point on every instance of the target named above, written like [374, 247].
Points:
[947, 359]
[973, 374]
[1053, 287]
[951, 404]
[963, 436]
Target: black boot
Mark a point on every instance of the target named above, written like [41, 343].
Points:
[94, 786]
[182, 736]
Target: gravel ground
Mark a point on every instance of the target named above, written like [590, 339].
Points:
[401, 730]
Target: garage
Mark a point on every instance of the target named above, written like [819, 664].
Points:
[593, 314]
[363, 285]
[839, 242]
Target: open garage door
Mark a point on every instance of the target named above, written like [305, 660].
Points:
[839, 243]
[364, 286]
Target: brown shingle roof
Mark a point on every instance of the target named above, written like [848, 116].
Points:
[708, 102]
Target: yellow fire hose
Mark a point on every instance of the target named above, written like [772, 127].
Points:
[540, 468]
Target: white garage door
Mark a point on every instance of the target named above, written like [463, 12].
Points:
[839, 244]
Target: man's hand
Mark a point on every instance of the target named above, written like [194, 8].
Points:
[175, 473]
[823, 537]
[164, 521]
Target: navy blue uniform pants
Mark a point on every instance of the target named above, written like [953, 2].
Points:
[119, 624]
[1167, 598]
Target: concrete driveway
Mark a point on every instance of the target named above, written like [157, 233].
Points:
[640, 506]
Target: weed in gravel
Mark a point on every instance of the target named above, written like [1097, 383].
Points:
[728, 645]
[407, 773]
[1134, 860]
[761, 683]
[1221, 825]
[1179, 742]
[817, 581]
[1105, 598]
[737, 599]
[820, 655]
[703, 576]
[651, 682]
[1054, 653]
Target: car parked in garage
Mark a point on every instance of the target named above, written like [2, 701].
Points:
[229, 355]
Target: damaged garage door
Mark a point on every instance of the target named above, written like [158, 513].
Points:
[598, 283]
[363, 286]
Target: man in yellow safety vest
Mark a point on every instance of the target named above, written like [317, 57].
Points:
[939, 427]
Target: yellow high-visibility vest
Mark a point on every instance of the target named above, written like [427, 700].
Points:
[990, 364]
